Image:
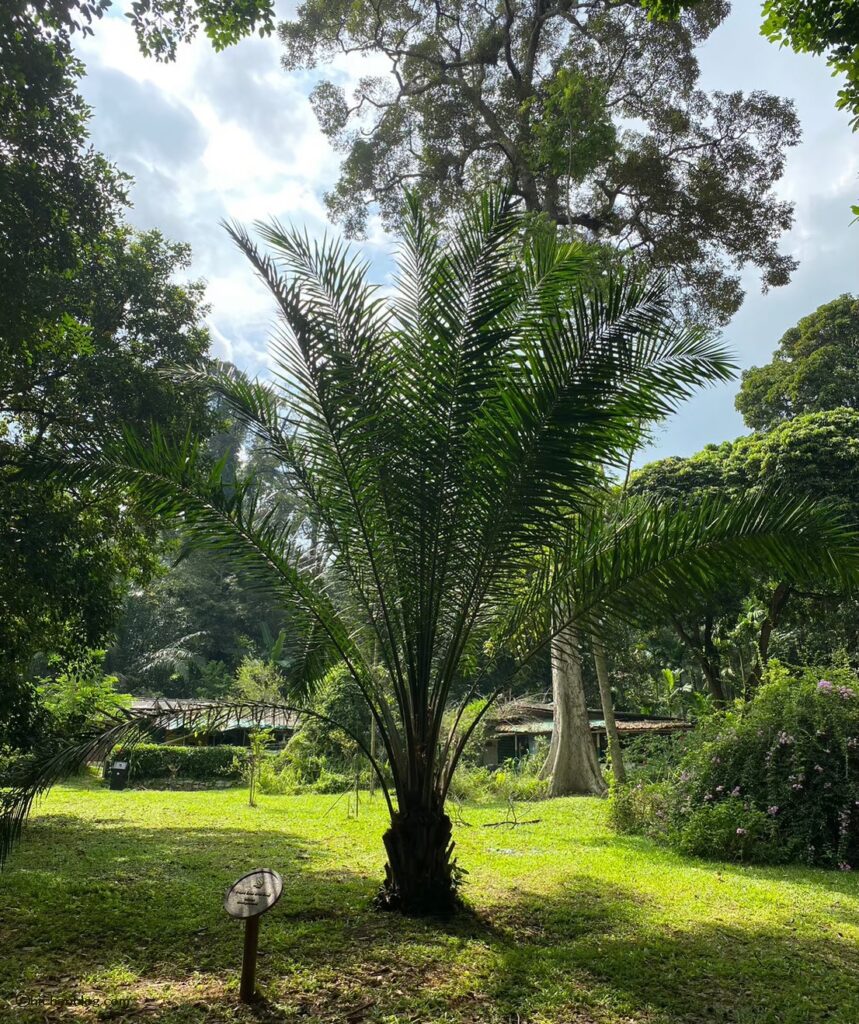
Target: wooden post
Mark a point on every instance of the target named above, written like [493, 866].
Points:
[247, 988]
[252, 895]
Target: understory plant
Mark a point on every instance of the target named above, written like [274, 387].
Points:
[515, 780]
[775, 780]
[439, 448]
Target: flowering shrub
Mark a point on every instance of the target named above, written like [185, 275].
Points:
[731, 829]
[784, 769]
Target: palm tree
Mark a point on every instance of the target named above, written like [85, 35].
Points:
[641, 559]
[437, 441]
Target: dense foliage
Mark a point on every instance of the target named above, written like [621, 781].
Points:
[90, 315]
[729, 639]
[814, 368]
[327, 754]
[160, 25]
[775, 780]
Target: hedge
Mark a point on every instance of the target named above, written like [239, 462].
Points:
[161, 760]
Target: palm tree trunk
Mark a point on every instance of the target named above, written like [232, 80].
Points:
[575, 766]
[420, 876]
[615, 753]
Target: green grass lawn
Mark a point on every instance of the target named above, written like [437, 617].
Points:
[111, 910]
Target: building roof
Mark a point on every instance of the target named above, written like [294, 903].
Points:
[174, 713]
[531, 717]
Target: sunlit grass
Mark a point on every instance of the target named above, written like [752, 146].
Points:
[111, 909]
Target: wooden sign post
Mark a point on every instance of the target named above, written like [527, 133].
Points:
[248, 898]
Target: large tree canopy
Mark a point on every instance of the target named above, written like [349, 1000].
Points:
[588, 110]
[90, 314]
[816, 455]
[822, 27]
[815, 367]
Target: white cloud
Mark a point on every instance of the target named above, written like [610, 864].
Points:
[214, 137]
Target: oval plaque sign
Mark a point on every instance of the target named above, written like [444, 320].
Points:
[254, 893]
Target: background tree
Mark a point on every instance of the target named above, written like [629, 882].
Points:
[186, 632]
[588, 110]
[90, 314]
[160, 25]
[815, 455]
[814, 367]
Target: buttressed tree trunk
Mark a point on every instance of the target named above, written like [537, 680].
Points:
[572, 760]
[615, 753]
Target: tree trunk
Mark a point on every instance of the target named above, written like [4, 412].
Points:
[420, 876]
[714, 682]
[706, 654]
[777, 602]
[573, 760]
[601, 664]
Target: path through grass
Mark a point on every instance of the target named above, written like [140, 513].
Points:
[111, 910]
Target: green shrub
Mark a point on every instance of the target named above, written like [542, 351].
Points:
[149, 761]
[651, 758]
[777, 779]
[12, 763]
[280, 776]
[645, 808]
[728, 830]
[322, 757]
[514, 780]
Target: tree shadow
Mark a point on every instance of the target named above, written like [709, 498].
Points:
[110, 920]
[830, 880]
[706, 972]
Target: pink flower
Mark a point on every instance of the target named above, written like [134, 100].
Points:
[742, 832]
[772, 811]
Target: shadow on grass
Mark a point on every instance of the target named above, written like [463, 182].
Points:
[595, 939]
[112, 920]
[830, 880]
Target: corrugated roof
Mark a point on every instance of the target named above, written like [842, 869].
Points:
[531, 717]
[175, 713]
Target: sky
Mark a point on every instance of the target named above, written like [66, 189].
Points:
[232, 136]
